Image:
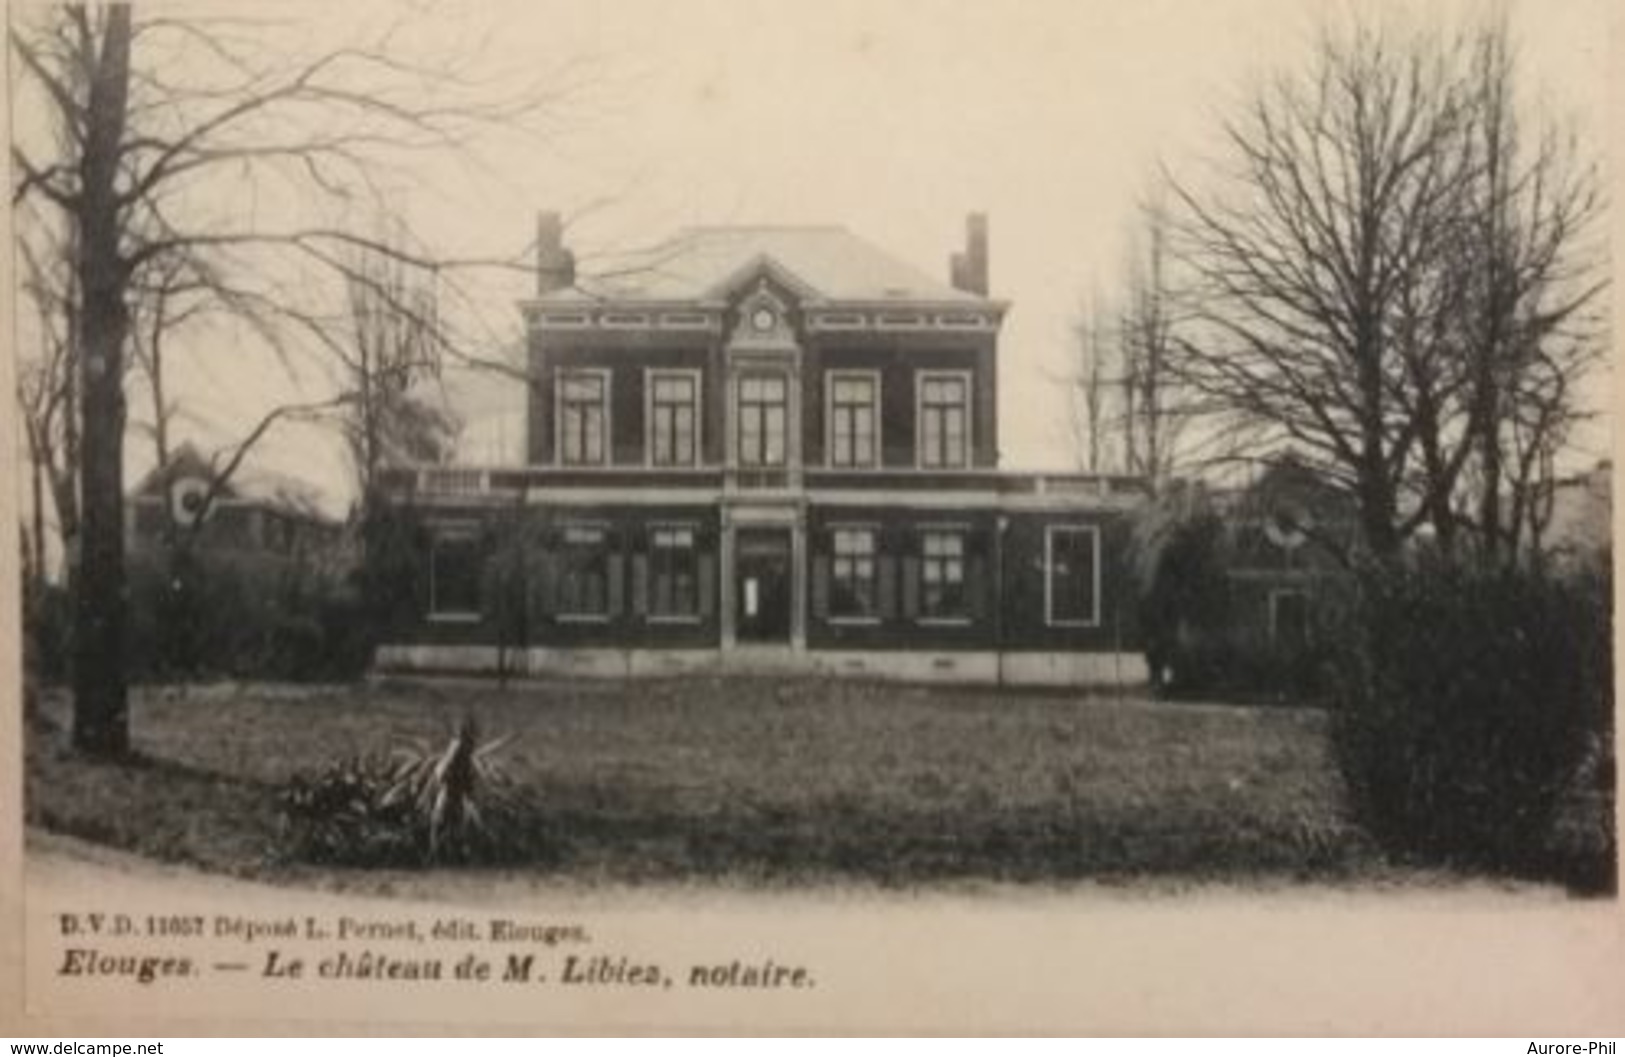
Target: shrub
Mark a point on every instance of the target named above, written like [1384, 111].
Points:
[391, 581]
[200, 614]
[1178, 563]
[47, 631]
[411, 807]
[1467, 703]
[1214, 662]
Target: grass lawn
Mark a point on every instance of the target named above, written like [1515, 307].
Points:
[754, 780]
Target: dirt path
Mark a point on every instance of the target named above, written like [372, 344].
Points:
[69, 866]
[1410, 958]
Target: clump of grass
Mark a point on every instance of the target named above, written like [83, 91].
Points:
[416, 805]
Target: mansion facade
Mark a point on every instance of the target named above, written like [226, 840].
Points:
[766, 449]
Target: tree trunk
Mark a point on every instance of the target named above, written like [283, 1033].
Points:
[101, 724]
[36, 540]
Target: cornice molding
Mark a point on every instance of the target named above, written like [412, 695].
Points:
[818, 318]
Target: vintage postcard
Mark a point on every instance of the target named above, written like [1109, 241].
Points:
[786, 517]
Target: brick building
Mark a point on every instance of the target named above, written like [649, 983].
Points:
[258, 514]
[766, 449]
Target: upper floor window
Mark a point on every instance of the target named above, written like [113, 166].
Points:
[942, 574]
[944, 417]
[583, 417]
[674, 415]
[854, 592]
[762, 414]
[1072, 575]
[854, 399]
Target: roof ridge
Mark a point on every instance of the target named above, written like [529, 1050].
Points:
[689, 229]
[828, 257]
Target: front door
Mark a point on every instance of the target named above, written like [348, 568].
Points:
[762, 585]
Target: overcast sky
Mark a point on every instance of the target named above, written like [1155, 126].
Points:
[894, 119]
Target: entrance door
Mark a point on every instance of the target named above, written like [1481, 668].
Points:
[762, 585]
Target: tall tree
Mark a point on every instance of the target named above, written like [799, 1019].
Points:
[153, 120]
[394, 319]
[1530, 282]
[1352, 300]
[1152, 413]
[1133, 410]
[1089, 387]
[47, 388]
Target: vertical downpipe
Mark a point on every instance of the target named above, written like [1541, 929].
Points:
[522, 542]
[1117, 649]
[999, 525]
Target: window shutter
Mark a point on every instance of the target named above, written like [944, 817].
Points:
[886, 573]
[529, 572]
[911, 586]
[976, 606]
[615, 585]
[1091, 574]
[546, 564]
[820, 586]
[707, 587]
[640, 584]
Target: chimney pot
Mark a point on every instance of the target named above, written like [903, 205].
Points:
[555, 264]
[968, 270]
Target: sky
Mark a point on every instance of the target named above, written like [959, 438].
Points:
[895, 118]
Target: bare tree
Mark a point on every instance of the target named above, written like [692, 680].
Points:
[1132, 410]
[1089, 387]
[394, 319]
[146, 112]
[1393, 288]
[47, 383]
[1302, 262]
[1153, 415]
[1525, 313]
[166, 300]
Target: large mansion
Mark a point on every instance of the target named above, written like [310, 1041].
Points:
[766, 449]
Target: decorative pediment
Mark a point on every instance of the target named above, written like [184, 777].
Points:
[762, 318]
[758, 269]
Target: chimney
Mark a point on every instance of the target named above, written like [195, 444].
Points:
[555, 265]
[967, 269]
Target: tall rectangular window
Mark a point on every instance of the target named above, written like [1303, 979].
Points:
[852, 410]
[853, 586]
[674, 578]
[454, 576]
[942, 575]
[1072, 575]
[674, 411]
[583, 573]
[1289, 618]
[762, 410]
[583, 417]
[944, 414]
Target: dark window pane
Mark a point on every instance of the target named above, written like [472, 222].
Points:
[762, 415]
[1072, 568]
[943, 410]
[454, 576]
[583, 584]
[852, 410]
[853, 587]
[942, 575]
[583, 412]
[673, 573]
[673, 401]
